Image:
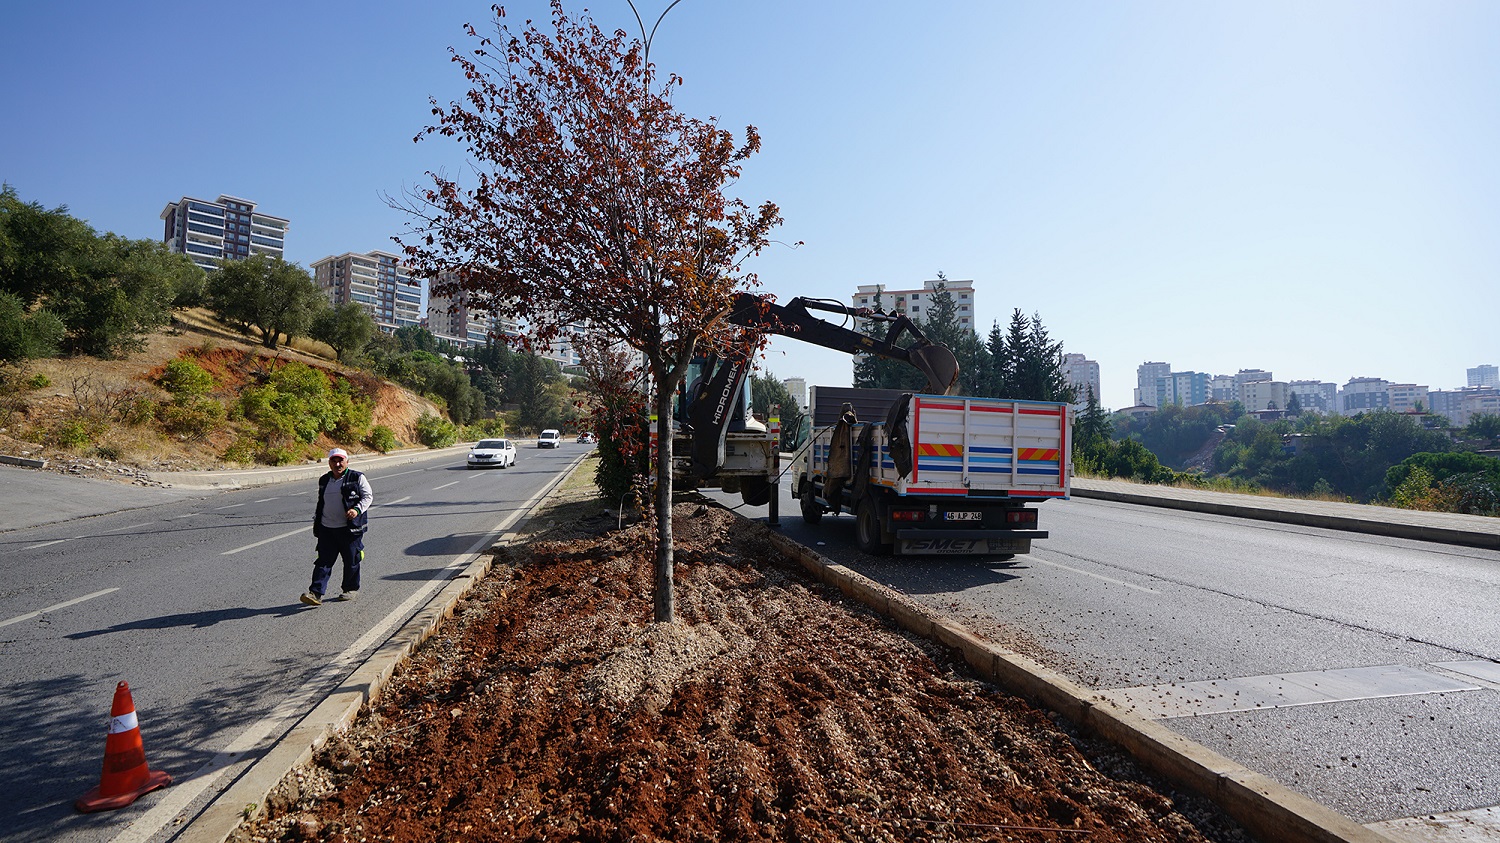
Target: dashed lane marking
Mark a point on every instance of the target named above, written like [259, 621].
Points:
[1097, 576]
[1252, 693]
[63, 605]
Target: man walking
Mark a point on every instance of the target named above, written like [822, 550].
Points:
[344, 499]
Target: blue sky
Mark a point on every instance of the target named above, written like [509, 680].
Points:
[1311, 188]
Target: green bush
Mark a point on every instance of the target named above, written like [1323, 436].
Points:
[185, 379]
[39, 381]
[192, 419]
[436, 431]
[279, 456]
[241, 450]
[72, 433]
[138, 411]
[382, 439]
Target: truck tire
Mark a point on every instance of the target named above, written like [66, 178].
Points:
[812, 511]
[867, 527]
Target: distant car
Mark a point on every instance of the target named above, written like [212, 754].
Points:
[549, 438]
[586, 438]
[490, 453]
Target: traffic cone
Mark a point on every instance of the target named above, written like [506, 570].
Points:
[126, 776]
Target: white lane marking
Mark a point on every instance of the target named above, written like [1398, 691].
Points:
[263, 500]
[63, 605]
[393, 503]
[131, 527]
[399, 473]
[446, 485]
[180, 517]
[1098, 576]
[184, 791]
[231, 506]
[1284, 690]
[290, 534]
[1457, 826]
[47, 544]
[306, 529]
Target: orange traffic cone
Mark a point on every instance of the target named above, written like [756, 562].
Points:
[126, 776]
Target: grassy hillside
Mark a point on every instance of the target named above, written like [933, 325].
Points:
[113, 418]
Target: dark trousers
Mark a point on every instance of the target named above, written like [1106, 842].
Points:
[333, 544]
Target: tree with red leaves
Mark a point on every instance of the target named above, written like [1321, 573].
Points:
[595, 203]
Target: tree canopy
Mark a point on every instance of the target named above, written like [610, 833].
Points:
[594, 201]
[268, 294]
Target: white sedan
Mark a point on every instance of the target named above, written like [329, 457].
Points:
[489, 453]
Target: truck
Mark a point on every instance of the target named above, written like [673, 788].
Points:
[922, 473]
[933, 474]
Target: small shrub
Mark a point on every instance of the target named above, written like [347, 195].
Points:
[107, 452]
[194, 419]
[436, 431]
[382, 439]
[140, 410]
[185, 379]
[39, 381]
[72, 433]
[241, 450]
[279, 456]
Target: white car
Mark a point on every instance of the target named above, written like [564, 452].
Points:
[489, 453]
[549, 438]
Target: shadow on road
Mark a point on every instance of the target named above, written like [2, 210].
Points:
[196, 620]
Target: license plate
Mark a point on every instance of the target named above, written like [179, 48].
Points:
[963, 516]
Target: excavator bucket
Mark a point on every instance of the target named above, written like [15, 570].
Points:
[938, 364]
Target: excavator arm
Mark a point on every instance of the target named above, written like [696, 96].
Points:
[935, 362]
[711, 402]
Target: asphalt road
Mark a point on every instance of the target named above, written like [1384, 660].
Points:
[1358, 670]
[193, 601]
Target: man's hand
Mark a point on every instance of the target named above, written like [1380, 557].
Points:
[351, 514]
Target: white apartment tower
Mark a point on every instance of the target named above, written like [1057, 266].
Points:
[377, 281]
[917, 303]
[1484, 375]
[1146, 376]
[226, 229]
[1082, 374]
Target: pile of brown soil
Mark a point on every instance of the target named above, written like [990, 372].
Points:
[551, 707]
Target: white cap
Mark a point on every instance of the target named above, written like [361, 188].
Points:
[339, 452]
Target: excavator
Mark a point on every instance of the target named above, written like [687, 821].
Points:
[724, 443]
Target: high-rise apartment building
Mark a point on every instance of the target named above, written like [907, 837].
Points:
[798, 389]
[226, 229]
[1146, 376]
[1407, 398]
[1315, 396]
[1258, 396]
[1484, 375]
[451, 318]
[377, 281]
[917, 303]
[1363, 394]
[1082, 374]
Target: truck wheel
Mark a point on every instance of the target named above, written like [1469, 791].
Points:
[812, 511]
[867, 528]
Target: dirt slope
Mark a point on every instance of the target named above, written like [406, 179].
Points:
[551, 708]
[93, 386]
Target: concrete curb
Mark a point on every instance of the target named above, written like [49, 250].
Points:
[245, 798]
[1266, 808]
[24, 462]
[1392, 528]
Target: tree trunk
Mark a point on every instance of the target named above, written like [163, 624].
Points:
[666, 604]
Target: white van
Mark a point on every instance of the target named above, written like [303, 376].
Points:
[549, 438]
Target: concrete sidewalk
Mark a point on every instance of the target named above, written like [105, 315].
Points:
[1443, 527]
[245, 478]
